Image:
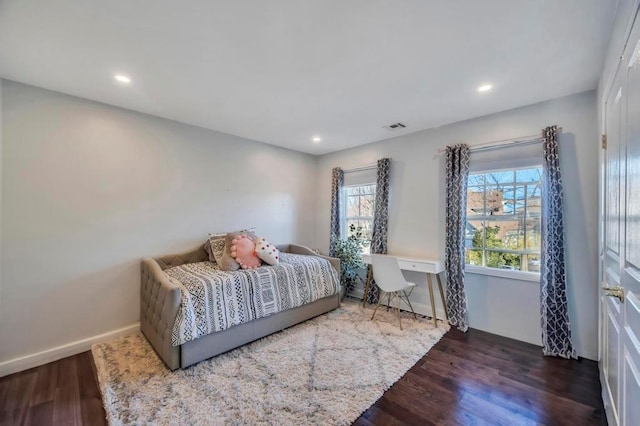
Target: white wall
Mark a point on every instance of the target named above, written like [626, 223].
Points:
[416, 222]
[89, 189]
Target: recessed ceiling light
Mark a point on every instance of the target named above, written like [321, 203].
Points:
[484, 87]
[317, 139]
[123, 78]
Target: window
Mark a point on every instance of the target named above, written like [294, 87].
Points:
[503, 228]
[358, 211]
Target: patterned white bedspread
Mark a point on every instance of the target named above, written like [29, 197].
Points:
[214, 300]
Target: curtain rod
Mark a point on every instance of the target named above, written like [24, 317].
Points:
[358, 169]
[522, 140]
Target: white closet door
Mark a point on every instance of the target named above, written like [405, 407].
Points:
[611, 307]
[620, 322]
[630, 278]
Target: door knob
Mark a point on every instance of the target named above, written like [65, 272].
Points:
[615, 291]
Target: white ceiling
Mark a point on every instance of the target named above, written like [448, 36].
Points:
[283, 71]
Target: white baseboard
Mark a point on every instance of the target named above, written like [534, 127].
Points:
[419, 307]
[40, 358]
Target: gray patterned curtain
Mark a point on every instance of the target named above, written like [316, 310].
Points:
[337, 180]
[457, 174]
[556, 330]
[380, 220]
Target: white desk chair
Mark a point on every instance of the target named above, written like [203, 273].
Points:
[390, 280]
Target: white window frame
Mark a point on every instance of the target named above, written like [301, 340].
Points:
[496, 272]
[344, 230]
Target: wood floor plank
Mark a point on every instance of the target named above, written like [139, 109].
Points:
[90, 399]
[472, 378]
[66, 405]
[403, 413]
[380, 417]
[40, 414]
[495, 413]
[16, 406]
[46, 384]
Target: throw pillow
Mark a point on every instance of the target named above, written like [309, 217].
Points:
[267, 251]
[243, 250]
[215, 246]
[225, 260]
[216, 243]
[226, 263]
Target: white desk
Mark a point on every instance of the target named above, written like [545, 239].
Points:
[427, 266]
[414, 264]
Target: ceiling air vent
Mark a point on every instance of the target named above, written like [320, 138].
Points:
[395, 126]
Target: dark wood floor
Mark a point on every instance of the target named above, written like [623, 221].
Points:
[468, 379]
[479, 378]
[64, 392]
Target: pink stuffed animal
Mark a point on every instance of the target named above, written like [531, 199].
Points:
[243, 250]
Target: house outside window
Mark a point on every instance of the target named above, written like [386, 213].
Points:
[359, 201]
[503, 229]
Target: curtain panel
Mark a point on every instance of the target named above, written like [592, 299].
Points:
[380, 221]
[457, 173]
[337, 181]
[556, 330]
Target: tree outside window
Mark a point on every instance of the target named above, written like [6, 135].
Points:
[503, 227]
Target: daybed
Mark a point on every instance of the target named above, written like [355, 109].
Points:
[162, 295]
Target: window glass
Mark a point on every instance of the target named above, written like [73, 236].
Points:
[503, 219]
[353, 205]
[359, 210]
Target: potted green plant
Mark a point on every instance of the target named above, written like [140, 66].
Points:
[349, 251]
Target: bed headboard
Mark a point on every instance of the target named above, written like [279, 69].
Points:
[193, 256]
[200, 255]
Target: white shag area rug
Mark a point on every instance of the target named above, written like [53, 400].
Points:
[327, 370]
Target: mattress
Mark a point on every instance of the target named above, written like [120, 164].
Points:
[215, 300]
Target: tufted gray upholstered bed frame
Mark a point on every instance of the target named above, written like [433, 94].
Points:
[160, 299]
